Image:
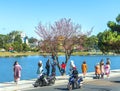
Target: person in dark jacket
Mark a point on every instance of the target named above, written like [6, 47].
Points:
[48, 67]
[54, 67]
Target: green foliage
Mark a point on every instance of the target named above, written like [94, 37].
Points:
[114, 26]
[90, 43]
[18, 39]
[1, 42]
[25, 47]
[32, 40]
[13, 39]
[17, 46]
[111, 24]
[109, 40]
[7, 46]
[118, 18]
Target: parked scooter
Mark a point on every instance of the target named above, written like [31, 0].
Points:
[74, 83]
[45, 80]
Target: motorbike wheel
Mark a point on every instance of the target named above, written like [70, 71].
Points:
[69, 86]
[40, 83]
[77, 85]
[36, 84]
[53, 81]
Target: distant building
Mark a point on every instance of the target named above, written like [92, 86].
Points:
[24, 38]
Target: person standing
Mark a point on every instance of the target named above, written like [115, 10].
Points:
[48, 67]
[40, 69]
[84, 68]
[63, 66]
[102, 68]
[108, 61]
[53, 67]
[107, 69]
[97, 71]
[17, 71]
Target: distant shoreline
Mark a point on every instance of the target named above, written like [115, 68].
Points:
[19, 54]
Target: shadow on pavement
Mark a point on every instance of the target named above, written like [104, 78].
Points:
[116, 81]
[101, 89]
[62, 89]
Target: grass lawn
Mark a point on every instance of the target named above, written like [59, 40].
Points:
[8, 54]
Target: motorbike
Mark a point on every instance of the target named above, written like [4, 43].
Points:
[75, 83]
[45, 80]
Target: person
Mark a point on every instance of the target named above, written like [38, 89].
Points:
[107, 69]
[48, 67]
[84, 68]
[53, 67]
[40, 69]
[63, 66]
[17, 71]
[75, 73]
[108, 61]
[97, 71]
[102, 68]
[72, 65]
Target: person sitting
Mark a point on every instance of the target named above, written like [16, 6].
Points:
[75, 73]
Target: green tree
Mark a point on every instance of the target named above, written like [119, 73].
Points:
[118, 18]
[25, 47]
[32, 40]
[91, 43]
[18, 39]
[12, 35]
[7, 46]
[17, 46]
[1, 41]
[109, 40]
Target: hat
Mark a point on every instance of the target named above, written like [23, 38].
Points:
[40, 62]
[72, 61]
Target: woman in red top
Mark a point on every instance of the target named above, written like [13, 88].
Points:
[63, 66]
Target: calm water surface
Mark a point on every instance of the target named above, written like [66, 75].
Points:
[29, 65]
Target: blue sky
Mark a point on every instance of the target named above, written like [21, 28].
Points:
[24, 15]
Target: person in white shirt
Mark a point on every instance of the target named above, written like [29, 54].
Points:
[40, 68]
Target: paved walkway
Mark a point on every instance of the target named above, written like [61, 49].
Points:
[27, 84]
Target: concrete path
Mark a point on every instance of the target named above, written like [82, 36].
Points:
[60, 80]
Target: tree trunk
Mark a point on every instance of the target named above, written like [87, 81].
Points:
[67, 57]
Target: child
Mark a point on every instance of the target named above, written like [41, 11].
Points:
[97, 71]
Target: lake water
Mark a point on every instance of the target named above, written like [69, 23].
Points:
[29, 65]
